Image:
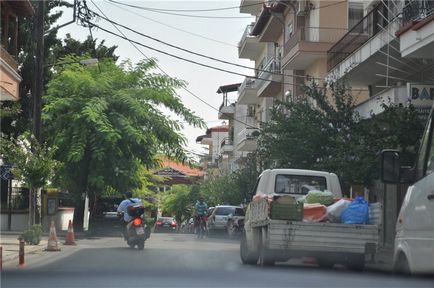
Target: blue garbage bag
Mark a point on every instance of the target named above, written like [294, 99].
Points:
[357, 212]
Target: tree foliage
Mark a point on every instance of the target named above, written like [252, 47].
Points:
[108, 123]
[179, 202]
[324, 132]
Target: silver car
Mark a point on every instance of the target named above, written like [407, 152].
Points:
[221, 214]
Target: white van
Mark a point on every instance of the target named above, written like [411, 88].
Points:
[414, 240]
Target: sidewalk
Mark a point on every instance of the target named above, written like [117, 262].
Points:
[10, 244]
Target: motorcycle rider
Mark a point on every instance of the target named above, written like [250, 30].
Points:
[122, 210]
[201, 208]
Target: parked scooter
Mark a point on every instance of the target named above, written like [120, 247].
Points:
[137, 230]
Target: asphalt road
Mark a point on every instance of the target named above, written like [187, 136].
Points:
[179, 260]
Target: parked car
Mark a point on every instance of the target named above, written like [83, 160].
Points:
[218, 221]
[165, 224]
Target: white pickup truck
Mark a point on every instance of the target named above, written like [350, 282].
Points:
[269, 240]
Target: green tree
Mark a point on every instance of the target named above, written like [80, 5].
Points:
[33, 164]
[179, 202]
[108, 122]
[221, 189]
[324, 132]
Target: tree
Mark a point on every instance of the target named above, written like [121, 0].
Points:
[34, 165]
[324, 132]
[221, 189]
[107, 122]
[179, 202]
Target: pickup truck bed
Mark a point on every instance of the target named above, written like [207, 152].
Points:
[321, 237]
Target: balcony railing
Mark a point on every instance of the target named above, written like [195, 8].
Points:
[248, 82]
[416, 10]
[368, 27]
[248, 133]
[314, 34]
[226, 142]
[272, 66]
[246, 34]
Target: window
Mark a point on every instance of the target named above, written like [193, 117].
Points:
[299, 184]
[355, 14]
[223, 211]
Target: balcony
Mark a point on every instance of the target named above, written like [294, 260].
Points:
[249, 46]
[270, 79]
[367, 28]
[227, 146]
[247, 139]
[417, 32]
[227, 111]
[309, 44]
[251, 7]
[248, 92]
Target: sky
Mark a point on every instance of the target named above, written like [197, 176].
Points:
[218, 38]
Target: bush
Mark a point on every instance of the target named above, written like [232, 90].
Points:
[32, 236]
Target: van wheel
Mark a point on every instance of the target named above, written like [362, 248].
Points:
[247, 257]
[401, 265]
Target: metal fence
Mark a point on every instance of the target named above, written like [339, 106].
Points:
[19, 199]
[416, 10]
[368, 27]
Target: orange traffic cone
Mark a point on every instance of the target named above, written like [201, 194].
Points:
[70, 237]
[52, 239]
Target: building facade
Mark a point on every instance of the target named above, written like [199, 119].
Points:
[9, 75]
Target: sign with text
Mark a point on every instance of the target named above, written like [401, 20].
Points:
[421, 94]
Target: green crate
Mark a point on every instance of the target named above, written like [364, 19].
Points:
[292, 212]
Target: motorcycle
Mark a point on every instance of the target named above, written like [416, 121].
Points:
[137, 230]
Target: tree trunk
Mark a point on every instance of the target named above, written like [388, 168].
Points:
[79, 209]
[31, 207]
[38, 206]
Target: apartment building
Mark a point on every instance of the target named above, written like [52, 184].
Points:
[9, 76]
[388, 53]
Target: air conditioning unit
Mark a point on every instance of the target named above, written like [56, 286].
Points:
[301, 11]
[251, 111]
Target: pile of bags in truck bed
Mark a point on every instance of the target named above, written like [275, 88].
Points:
[321, 206]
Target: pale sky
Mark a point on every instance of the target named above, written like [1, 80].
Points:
[203, 82]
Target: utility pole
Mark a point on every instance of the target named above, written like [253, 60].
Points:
[34, 199]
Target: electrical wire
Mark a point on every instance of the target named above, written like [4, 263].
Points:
[171, 11]
[179, 14]
[172, 27]
[196, 53]
[144, 55]
[199, 10]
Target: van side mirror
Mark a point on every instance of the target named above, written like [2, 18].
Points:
[390, 166]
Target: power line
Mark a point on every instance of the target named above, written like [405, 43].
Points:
[198, 10]
[162, 11]
[172, 27]
[141, 52]
[196, 53]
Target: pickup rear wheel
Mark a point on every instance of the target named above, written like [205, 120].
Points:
[356, 262]
[247, 257]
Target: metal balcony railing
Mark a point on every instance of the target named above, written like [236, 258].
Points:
[272, 66]
[248, 134]
[368, 27]
[246, 34]
[313, 34]
[417, 10]
[249, 82]
[226, 141]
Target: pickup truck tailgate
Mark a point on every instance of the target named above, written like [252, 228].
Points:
[322, 237]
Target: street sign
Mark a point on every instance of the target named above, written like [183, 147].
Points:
[6, 173]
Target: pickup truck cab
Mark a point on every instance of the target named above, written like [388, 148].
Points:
[296, 182]
[414, 239]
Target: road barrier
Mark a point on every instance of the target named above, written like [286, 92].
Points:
[21, 253]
